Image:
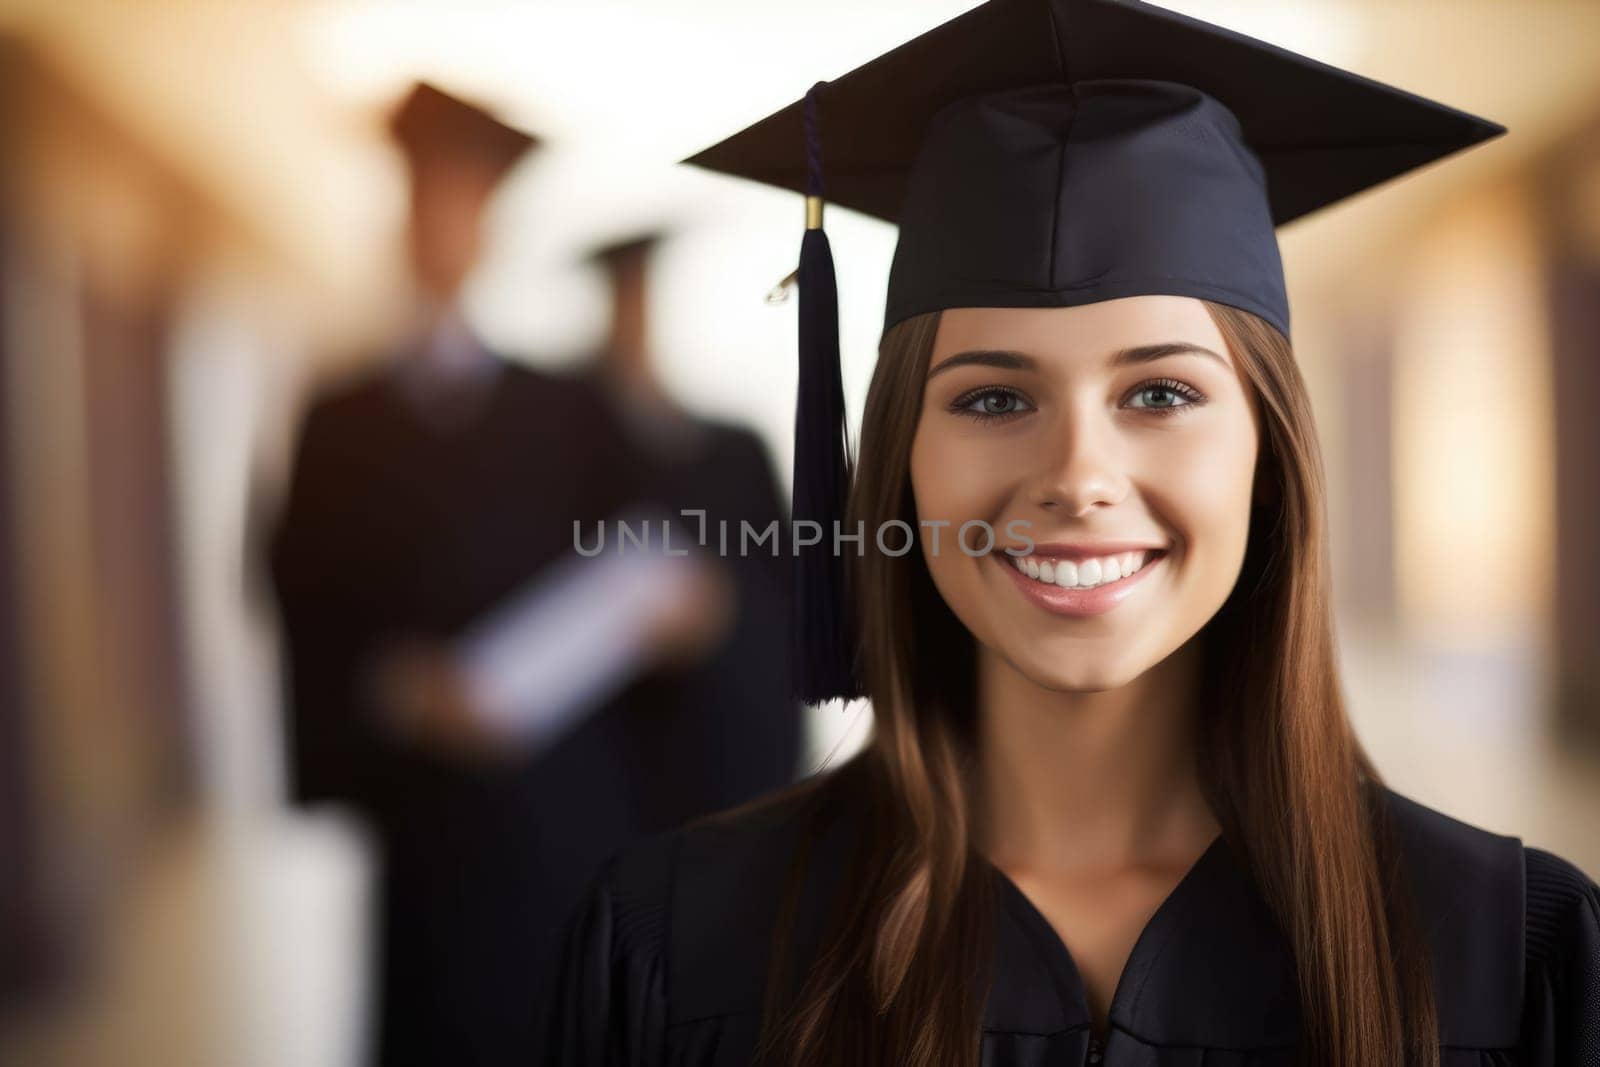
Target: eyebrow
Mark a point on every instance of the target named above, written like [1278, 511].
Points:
[1008, 360]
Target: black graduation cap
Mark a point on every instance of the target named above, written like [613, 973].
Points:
[1054, 153]
[618, 248]
[431, 121]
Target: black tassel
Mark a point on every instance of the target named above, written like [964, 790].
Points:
[823, 631]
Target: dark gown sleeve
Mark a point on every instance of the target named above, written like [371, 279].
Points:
[334, 752]
[608, 1007]
[1561, 1011]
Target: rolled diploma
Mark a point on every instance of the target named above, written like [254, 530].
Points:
[575, 635]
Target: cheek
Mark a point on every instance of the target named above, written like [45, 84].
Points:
[955, 480]
[1205, 492]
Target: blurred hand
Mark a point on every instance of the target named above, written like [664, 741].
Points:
[425, 698]
[687, 626]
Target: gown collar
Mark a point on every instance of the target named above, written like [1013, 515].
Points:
[446, 376]
[1209, 969]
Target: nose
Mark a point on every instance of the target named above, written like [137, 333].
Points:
[1079, 469]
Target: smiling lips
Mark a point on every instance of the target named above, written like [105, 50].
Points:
[1069, 581]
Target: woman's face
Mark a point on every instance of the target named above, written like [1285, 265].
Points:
[1094, 431]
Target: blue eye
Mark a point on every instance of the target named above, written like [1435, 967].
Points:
[991, 403]
[1170, 396]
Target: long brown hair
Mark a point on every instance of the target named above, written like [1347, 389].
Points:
[899, 978]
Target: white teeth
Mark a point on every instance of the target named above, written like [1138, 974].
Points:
[1081, 575]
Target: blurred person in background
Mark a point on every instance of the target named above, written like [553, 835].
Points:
[736, 730]
[425, 497]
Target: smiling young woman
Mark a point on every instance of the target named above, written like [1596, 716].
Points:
[1112, 810]
[1104, 751]
[1093, 760]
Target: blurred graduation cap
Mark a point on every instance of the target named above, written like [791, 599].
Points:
[1040, 153]
[617, 249]
[430, 122]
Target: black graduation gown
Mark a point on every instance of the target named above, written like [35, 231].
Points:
[397, 524]
[666, 962]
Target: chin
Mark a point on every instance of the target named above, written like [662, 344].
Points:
[1060, 675]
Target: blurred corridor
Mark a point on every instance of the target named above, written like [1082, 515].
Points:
[202, 229]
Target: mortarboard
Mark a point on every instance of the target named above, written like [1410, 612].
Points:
[1041, 153]
[430, 120]
[617, 248]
